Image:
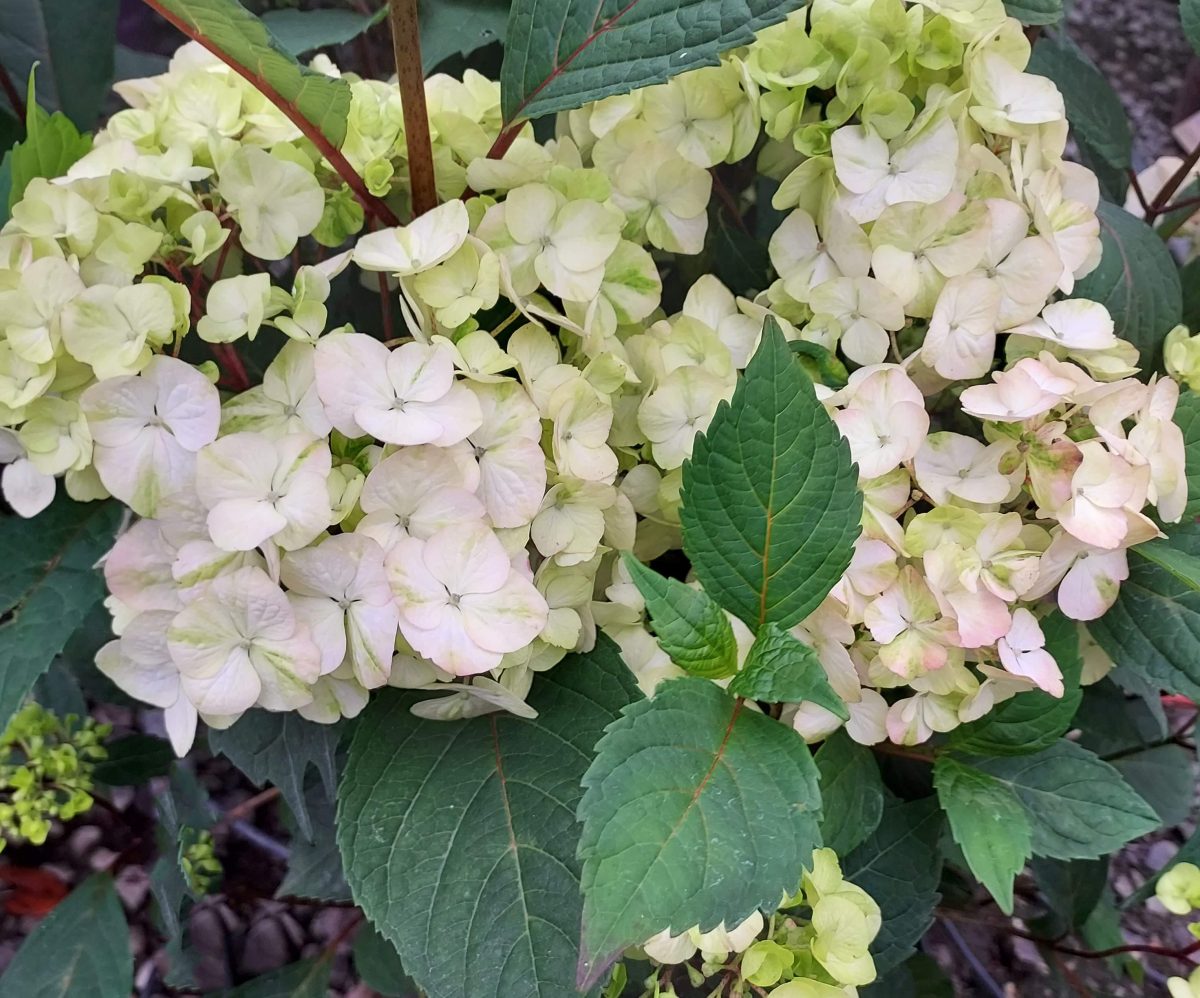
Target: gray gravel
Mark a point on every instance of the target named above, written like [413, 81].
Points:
[1140, 47]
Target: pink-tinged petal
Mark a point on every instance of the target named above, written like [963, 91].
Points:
[325, 570]
[400, 480]
[1090, 586]
[185, 400]
[26, 489]
[513, 482]
[443, 509]
[508, 619]
[467, 559]
[352, 374]
[982, 617]
[405, 426]
[326, 622]
[372, 633]
[1096, 525]
[220, 684]
[117, 409]
[448, 646]
[243, 524]
[140, 663]
[419, 372]
[147, 469]
[457, 413]
[420, 595]
[287, 670]
[238, 466]
[138, 569]
[180, 721]
[306, 509]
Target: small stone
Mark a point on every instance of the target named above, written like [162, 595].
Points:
[132, 884]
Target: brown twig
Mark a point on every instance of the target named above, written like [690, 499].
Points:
[385, 307]
[1184, 953]
[371, 204]
[13, 95]
[248, 806]
[406, 45]
[1163, 198]
[1136, 184]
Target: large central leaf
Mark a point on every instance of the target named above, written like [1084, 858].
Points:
[771, 506]
[459, 839]
[563, 53]
[698, 810]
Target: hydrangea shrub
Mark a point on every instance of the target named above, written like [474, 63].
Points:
[706, 520]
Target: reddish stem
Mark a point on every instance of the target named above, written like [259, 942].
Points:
[1136, 184]
[513, 127]
[385, 307]
[1161, 201]
[373, 205]
[406, 45]
[236, 379]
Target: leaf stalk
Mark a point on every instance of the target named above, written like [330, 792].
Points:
[406, 45]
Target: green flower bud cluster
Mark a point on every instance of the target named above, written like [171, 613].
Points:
[198, 858]
[46, 766]
[815, 946]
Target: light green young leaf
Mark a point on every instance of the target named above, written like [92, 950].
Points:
[300, 31]
[51, 145]
[1153, 629]
[900, 867]
[690, 627]
[851, 792]
[488, 806]
[80, 950]
[48, 582]
[1033, 720]
[303, 979]
[771, 505]
[1094, 110]
[697, 810]
[1183, 565]
[1033, 12]
[1136, 280]
[227, 27]
[988, 822]
[563, 53]
[459, 27]
[780, 669]
[72, 41]
[278, 748]
[1078, 806]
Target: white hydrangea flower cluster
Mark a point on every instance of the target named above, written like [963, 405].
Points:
[450, 503]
